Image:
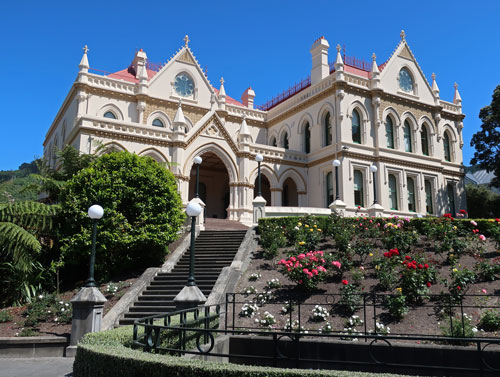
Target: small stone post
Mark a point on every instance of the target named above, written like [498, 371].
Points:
[88, 307]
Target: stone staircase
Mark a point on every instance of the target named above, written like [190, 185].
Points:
[214, 251]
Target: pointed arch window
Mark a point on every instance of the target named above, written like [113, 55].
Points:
[446, 146]
[329, 189]
[327, 129]
[110, 115]
[356, 127]
[389, 132]
[393, 192]
[358, 188]
[407, 136]
[273, 142]
[158, 123]
[451, 198]
[410, 184]
[307, 138]
[284, 141]
[428, 197]
[424, 138]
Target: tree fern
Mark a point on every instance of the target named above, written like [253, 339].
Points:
[30, 215]
[18, 244]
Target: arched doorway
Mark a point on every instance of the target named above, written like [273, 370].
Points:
[265, 188]
[289, 196]
[214, 185]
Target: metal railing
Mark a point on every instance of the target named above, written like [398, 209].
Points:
[195, 332]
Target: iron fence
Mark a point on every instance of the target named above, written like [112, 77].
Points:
[196, 332]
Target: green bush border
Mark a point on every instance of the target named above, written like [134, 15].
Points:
[108, 354]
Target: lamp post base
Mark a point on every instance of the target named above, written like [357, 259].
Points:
[88, 308]
[189, 297]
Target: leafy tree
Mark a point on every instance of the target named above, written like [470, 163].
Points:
[487, 141]
[482, 203]
[142, 214]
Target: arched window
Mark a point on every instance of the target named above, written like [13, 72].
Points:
[424, 138]
[451, 198]
[327, 129]
[389, 132]
[428, 197]
[284, 141]
[273, 142]
[446, 146]
[358, 188]
[410, 185]
[158, 123]
[329, 188]
[356, 127]
[393, 192]
[110, 115]
[407, 137]
[307, 138]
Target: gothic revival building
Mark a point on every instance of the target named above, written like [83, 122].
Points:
[386, 117]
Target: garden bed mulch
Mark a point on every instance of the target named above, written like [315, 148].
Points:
[420, 320]
[113, 291]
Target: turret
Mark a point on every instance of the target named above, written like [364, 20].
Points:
[83, 66]
[375, 73]
[339, 65]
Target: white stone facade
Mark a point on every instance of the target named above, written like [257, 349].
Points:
[359, 114]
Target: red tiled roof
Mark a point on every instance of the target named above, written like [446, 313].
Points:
[356, 71]
[124, 74]
[229, 100]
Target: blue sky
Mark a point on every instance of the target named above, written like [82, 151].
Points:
[262, 44]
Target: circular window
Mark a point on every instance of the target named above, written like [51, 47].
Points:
[405, 80]
[184, 85]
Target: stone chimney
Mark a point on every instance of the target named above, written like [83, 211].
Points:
[247, 98]
[320, 67]
[139, 61]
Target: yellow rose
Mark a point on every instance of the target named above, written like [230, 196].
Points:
[399, 290]
[319, 230]
[312, 230]
[377, 267]
[455, 270]
[307, 226]
[299, 224]
[315, 225]
[371, 254]
[302, 243]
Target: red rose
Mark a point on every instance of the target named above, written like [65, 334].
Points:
[426, 266]
[420, 266]
[429, 284]
[458, 288]
[345, 282]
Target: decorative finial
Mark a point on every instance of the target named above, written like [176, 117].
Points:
[222, 80]
[455, 86]
[402, 35]
[186, 40]
[374, 57]
[180, 102]
[338, 48]
[433, 76]
[85, 49]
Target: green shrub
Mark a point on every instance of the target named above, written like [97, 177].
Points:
[350, 298]
[47, 308]
[396, 305]
[5, 316]
[458, 328]
[490, 320]
[142, 215]
[108, 354]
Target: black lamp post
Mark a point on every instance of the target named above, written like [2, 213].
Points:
[336, 163]
[373, 169]
[197, 162]
[193, 209]
[259, 159]
[95, 213]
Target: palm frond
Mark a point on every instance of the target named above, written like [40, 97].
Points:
[20, 244]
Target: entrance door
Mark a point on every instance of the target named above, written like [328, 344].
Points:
[214, 186]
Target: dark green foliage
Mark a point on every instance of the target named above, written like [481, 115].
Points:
[47, 308]
[490, 320]
[5, 316]
[486, 141]
[142, 214]
[105, 354]
[482, 202]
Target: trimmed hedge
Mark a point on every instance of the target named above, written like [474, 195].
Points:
[108, 354]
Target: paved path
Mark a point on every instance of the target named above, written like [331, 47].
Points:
[39, 367]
